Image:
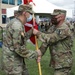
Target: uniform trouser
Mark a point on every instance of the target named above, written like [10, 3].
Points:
[62, 71]
[13, 64]
[19, 70]
[25, 72]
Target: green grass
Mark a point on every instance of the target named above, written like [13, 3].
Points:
[73, 68]
[33, 66]
[46, 70]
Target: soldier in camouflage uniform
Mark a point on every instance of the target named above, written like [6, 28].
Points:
[14, 43]
[60, 44]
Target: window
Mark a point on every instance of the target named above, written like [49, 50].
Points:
[3, 19]
[12, 2]
[19, 2]
[3, 11]
[5, 1]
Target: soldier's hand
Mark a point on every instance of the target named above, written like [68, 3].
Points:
[38, 59]
[35, 31]
[39, 55]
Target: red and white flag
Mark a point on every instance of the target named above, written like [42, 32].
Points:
[28, 26]
[28, 2]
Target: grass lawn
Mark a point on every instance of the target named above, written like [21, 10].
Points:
[46, 70]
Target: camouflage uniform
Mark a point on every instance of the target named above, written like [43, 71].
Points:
[14, 48]
[71, 28]
[60, 44]
[49, 31]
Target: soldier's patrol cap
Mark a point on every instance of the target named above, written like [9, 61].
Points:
[58, 11]
[26, 8]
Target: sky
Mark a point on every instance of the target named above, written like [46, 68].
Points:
[69, 4]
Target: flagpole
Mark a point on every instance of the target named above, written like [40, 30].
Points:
[39, 65]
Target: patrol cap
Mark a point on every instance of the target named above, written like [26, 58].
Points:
[26, 8]
[58, 11]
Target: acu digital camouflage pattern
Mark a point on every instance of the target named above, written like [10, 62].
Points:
[58, 11]
[60, 44]
[14, 48]
[63, 71]
[26, 8]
